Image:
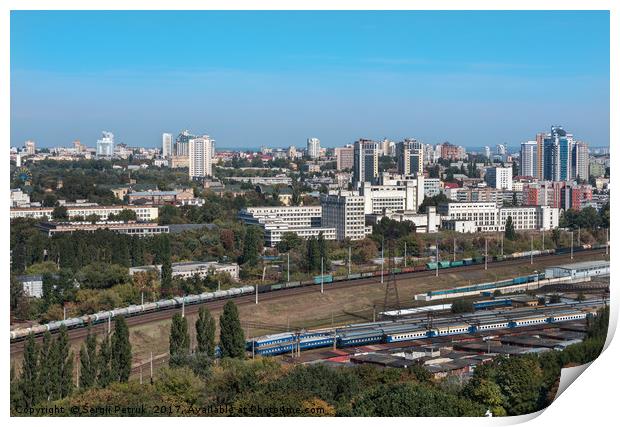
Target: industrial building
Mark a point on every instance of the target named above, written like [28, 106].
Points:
[579, 270]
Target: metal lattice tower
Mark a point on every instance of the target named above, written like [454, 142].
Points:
[391, 288]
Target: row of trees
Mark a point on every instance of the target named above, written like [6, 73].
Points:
[232, 339]
[47, 369]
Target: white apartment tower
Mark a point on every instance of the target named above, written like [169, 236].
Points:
[105, 145]
[201, 151]
[500, 178]
[166, 145]
[581, 161]
[30, 148]
[529, 159]
[314, 148]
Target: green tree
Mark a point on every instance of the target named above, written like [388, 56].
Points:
[64, 363]
[252, 245]
[205, 332]
[88, 361]
[289, 241]
[232, 339]
[60, 213]
[463, 306]
[28, 383]
[104, 359]
[120, 363]
[166, 277]
[48, 370]
[509, 232]
[179, 336]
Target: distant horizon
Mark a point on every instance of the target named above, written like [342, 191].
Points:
[472, 78]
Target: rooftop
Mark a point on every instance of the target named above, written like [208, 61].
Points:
[583, 265]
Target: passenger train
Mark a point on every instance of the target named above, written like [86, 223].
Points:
[413, 329]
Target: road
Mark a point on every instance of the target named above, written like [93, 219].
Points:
[80, 333]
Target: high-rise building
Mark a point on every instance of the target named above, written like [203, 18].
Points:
[344, 157]
[529, 159]
[487, 152]
[201, 152]
[498, 177]
[344, 211]
[557, 155]
[387, 147]
[540, 155]
[78, 147]
[291, 152]
[365, 161]
[410, 157]
[581, 161]
[313, 148]
[181, 148]
[30, 148]
[166, 145]
[105, 145]
[452, 152]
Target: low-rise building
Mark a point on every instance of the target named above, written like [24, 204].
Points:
[143, 213]
[130, 227]
[19, 199]
[578, 269]
[32, 285]
[186, 270]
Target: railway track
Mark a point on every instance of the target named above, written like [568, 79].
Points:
[80, 333]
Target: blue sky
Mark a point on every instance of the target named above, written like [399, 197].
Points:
[277, 78]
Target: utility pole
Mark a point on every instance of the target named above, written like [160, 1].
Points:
[486, 253]
[543, 240]
[502, 240]
[109, 325]
[531, 249]
[64, 312]
[288, 266]
[140, 373]
[77, 367]
[579, 236]
[183, 307]
[571, 244]
[321, 274]
[349, 260]
[256, 288]
[374, 313]
[142, 297]
[454, 249]
[219, 286]
[607, 243]
[382, 259]
[151, 363]
[436, 258]
[405, 254]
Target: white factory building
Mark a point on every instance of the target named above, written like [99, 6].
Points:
[488, 217]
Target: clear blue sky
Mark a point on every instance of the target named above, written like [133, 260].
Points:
[277, 78]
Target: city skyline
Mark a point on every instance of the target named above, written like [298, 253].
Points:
[338, 76]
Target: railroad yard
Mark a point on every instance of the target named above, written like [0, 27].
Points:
[353, 301]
